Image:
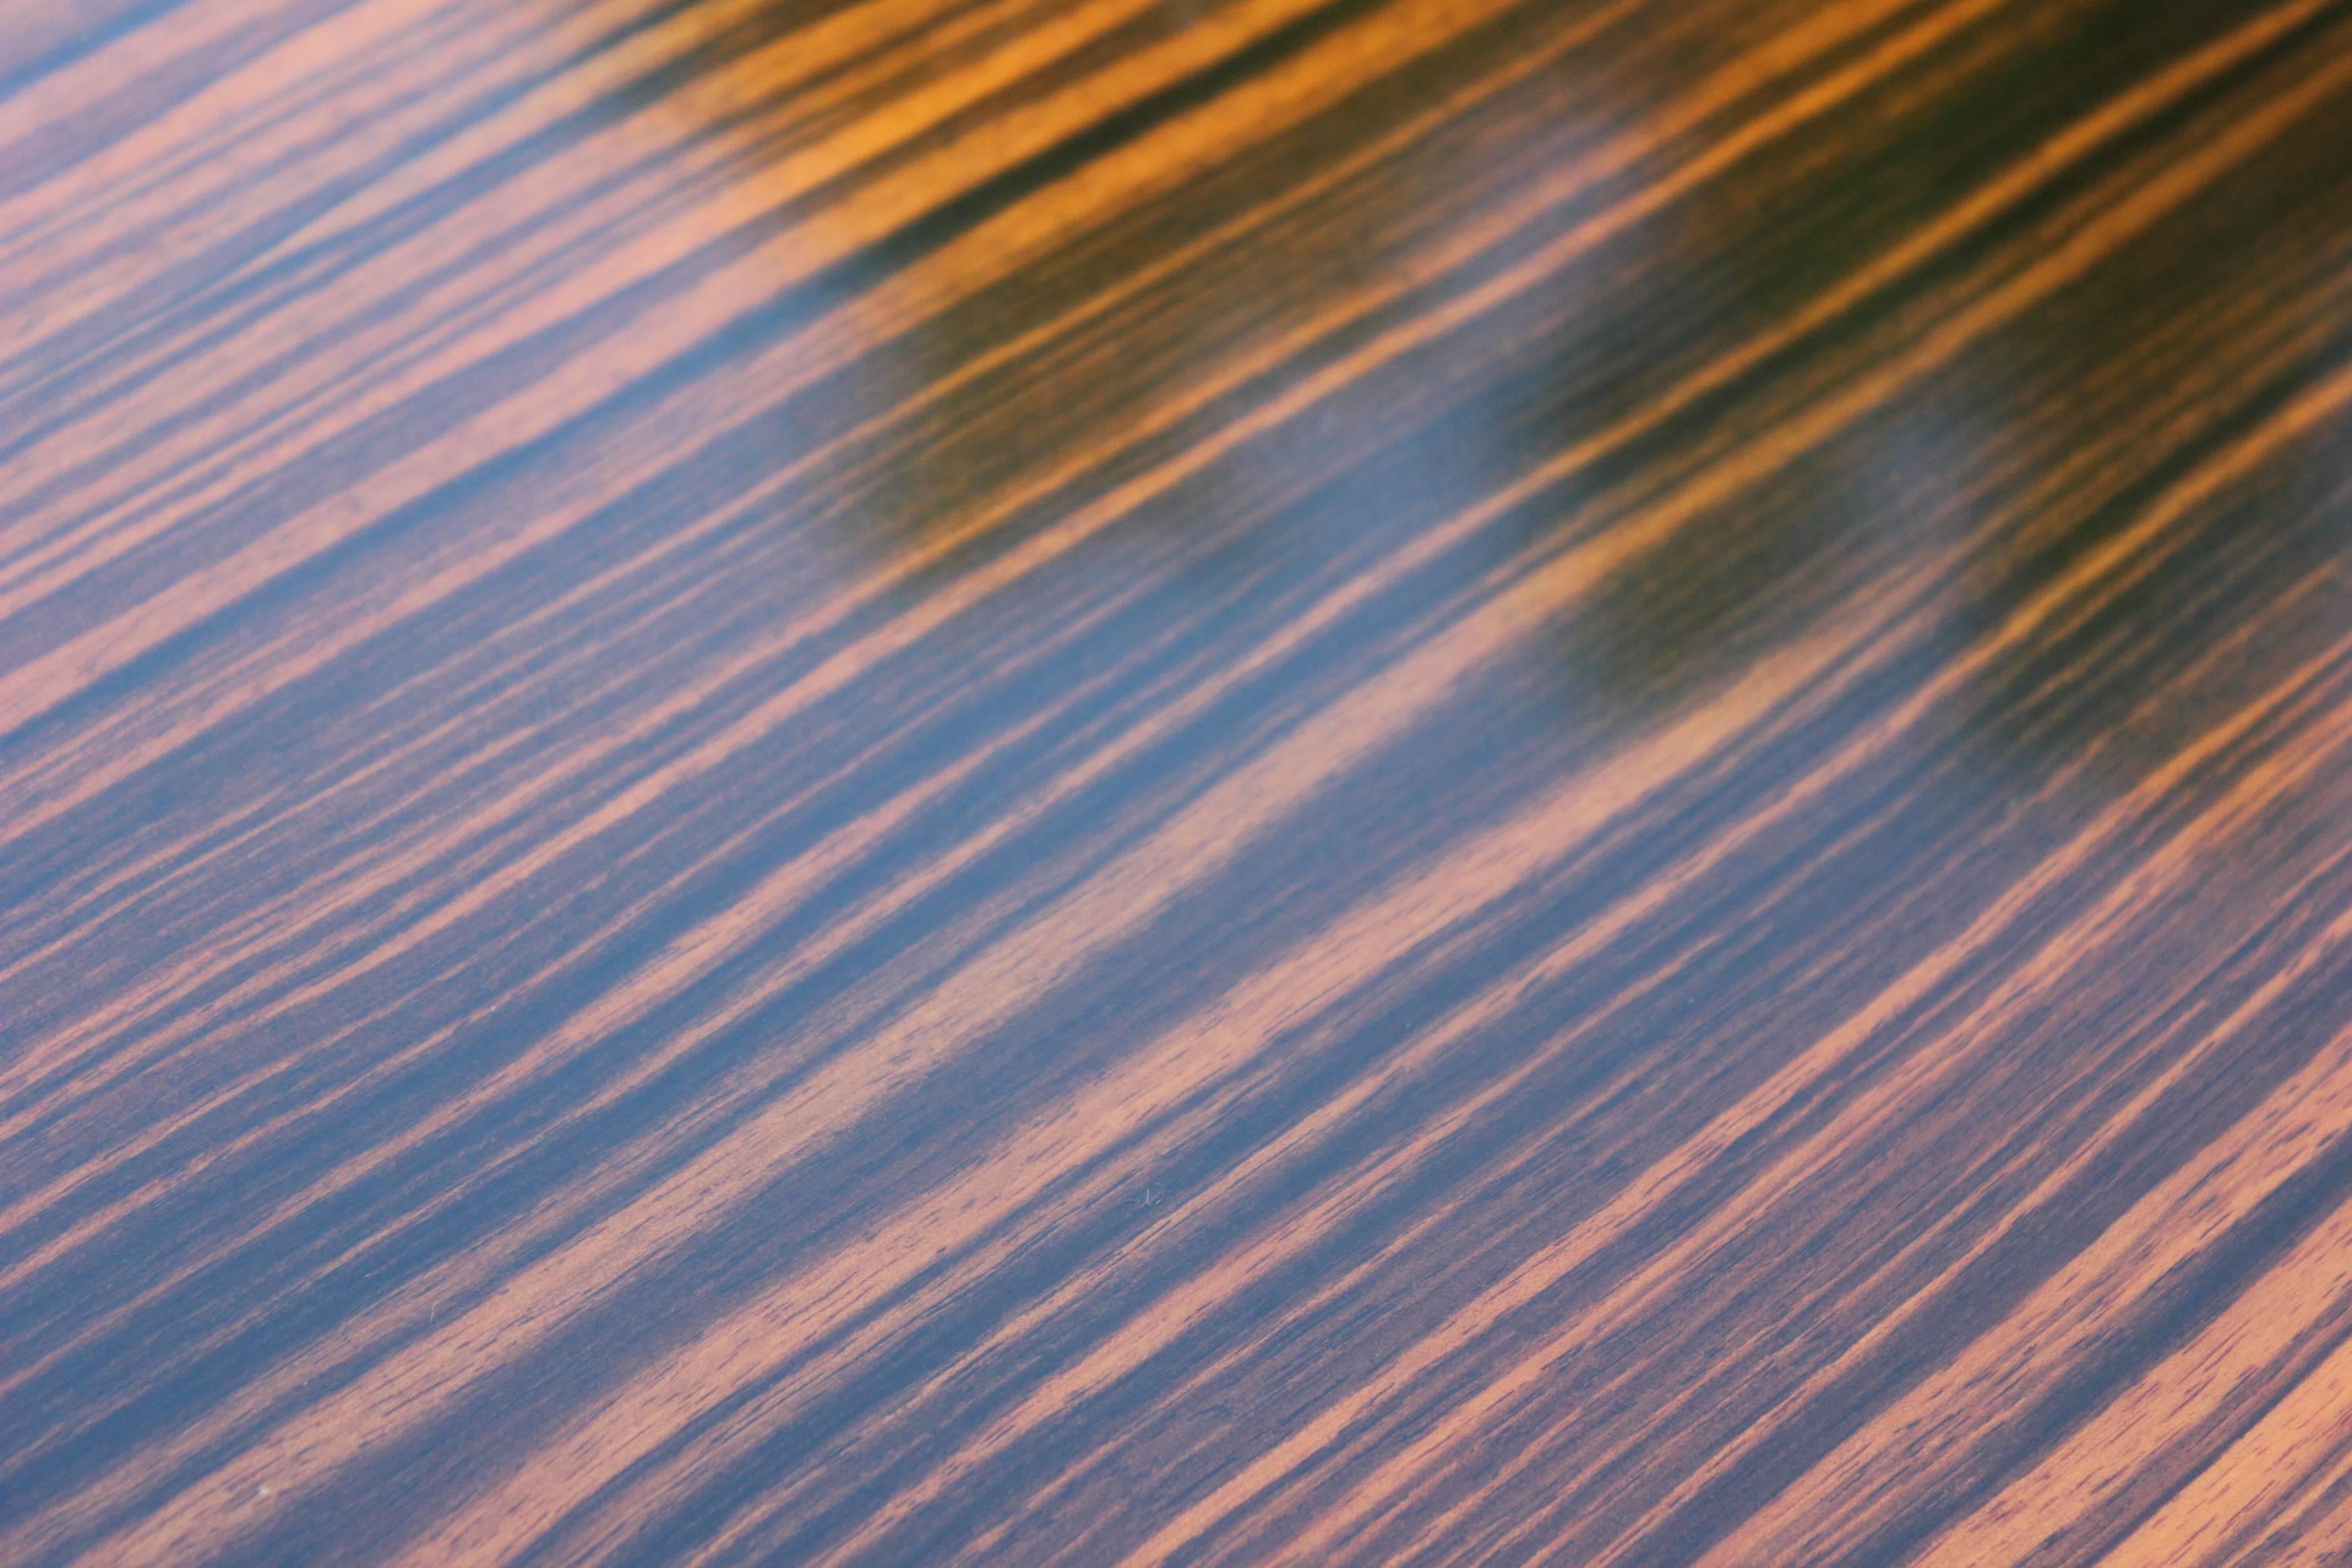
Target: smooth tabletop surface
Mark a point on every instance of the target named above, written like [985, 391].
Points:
[1133, 782]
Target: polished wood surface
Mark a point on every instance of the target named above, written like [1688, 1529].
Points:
[1084, 782]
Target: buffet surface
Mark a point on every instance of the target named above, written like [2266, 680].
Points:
[1241, 782]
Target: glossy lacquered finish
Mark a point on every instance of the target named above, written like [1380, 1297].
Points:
[1084, 782]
